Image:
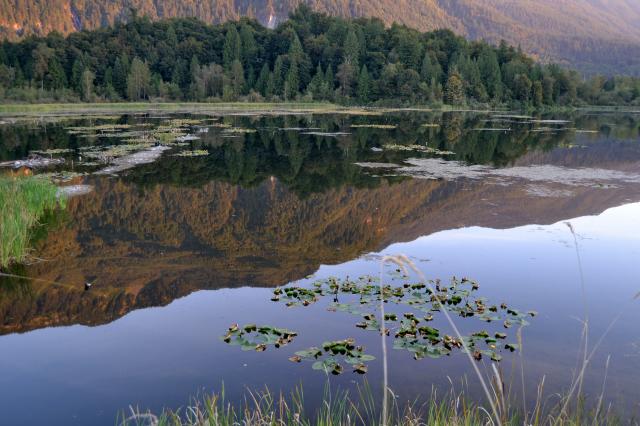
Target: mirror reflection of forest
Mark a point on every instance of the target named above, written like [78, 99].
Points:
[268, 207]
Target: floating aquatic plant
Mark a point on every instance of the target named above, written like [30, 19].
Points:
[258, 338]
[411, 325]
[328, 357]
[413, 147]
[194, 153]
[374, 126]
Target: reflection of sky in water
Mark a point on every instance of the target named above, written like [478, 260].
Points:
[160, 356]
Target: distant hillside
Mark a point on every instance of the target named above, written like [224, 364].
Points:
[591, 35]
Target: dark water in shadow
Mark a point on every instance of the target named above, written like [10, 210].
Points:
[182, 247]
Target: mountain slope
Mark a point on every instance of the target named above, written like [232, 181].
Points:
[592, 35]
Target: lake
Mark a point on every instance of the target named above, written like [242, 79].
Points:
[185, 223]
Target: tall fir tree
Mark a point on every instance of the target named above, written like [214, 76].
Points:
[364, 85]
[232, 47]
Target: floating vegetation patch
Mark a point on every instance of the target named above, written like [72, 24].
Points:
[545, 191]
[373, 126]
[327, 134]
[413, 147]
[550, 121]
[513, 116]
[62, 176]
[107, 154]
[74, 190]
[194, 153]
[129, 161]
[298, 129]
[239, 130]
[187, 138]
[252, 337]
[33, 162]
[328, 358]
[411, 313]
[436, 168]
[183, 122]
[378, 165]
[51, 151]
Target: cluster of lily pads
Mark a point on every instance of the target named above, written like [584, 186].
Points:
[420, 148]
[410, 323]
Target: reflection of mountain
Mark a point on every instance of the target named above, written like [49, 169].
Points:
[146, 246]
[270, 207]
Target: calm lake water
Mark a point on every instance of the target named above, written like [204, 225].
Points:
[180, 240]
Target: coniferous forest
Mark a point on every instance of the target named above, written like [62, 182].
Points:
[310, 57]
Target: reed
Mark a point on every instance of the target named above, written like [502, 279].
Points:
[24, 202]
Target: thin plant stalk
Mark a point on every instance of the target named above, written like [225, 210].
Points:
[405, 260]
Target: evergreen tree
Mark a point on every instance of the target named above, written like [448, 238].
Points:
[329, 82]
[538, 94]
[351, 49]
[56, 78]
[346, 73]
[263, 80]
[490, 73]
[237, 78]
[76, 75]
[430, 69]
[120, 73]
[364, 85]
[522, 87]
[292, 82]
[279, 71]
[249, 46]
[315, 87]
[232, 48]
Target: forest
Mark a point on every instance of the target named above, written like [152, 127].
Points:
[309, 57]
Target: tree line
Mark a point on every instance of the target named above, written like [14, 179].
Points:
[310, 57]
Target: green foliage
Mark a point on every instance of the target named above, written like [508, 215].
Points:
[327, 58]
[24, 202]
[454, 90]
[412, 332]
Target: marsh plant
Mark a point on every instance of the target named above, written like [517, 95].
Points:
[24, 203]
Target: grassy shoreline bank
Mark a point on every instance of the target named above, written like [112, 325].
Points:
[23, 109]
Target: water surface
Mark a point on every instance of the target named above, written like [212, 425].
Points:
[179, 247]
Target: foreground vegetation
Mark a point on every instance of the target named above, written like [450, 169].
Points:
[268, 408]
[24, 202]
[311, 56]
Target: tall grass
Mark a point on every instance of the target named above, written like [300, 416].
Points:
[453, 408]
[23, 202]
